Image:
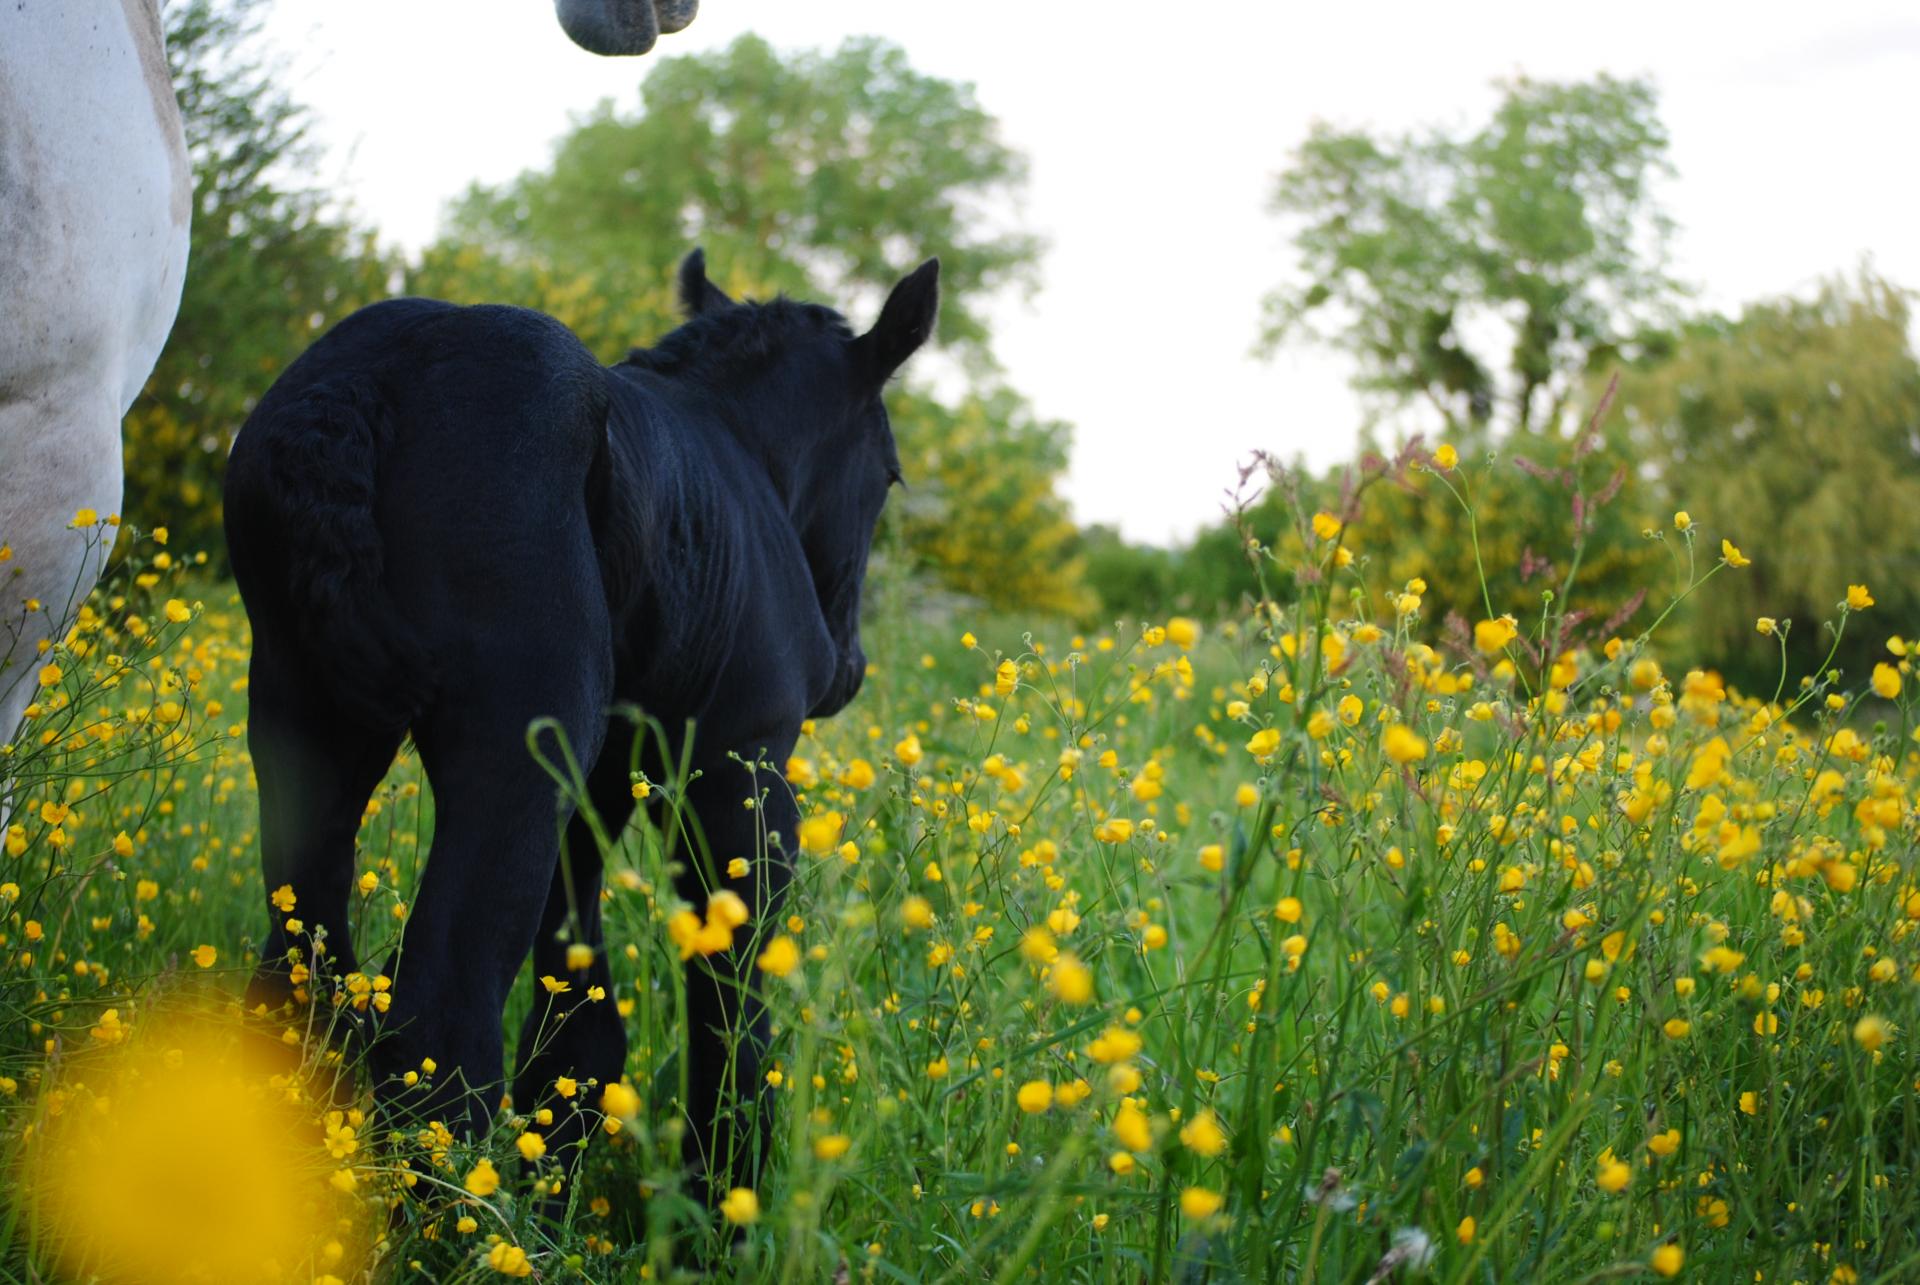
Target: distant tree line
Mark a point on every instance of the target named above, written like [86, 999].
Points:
[1486, 285]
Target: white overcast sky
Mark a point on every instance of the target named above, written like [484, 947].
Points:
[1154, 131]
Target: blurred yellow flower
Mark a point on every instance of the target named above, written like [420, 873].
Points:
[1202, 1134]
[780, 957]
[1403, 745]
[1199, 1202]
[741, 1207]
[1070, 980]
[820, 834]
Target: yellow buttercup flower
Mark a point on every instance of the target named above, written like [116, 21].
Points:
[1403, 745]
[1732, 555]
[483, 1179]
[1200, 1202]
[1202, 1135]
[619, 1101]
[780, 957]
[1070, 980]
[741, 1207]
[1034, 1096]
[820, 834]
[509, 1260]
[1491, 637]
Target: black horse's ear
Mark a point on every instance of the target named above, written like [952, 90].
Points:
[697, 294]
[905, 322]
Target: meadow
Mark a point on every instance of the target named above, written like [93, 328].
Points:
[1328, 942]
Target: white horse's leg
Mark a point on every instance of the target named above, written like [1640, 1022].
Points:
[63, 455]
[95, 196]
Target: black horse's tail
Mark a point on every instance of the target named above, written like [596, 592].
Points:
[302, 537]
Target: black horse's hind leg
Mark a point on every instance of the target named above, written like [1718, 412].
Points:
[495, 848]
[572, 1034]
[729, 1114]
[315, 772]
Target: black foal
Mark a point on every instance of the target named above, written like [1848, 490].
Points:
[451, 522]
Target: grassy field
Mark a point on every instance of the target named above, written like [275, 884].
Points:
[1283, 947]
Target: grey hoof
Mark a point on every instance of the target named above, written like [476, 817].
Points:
[674, 15]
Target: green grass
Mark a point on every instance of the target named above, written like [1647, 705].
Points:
[1462, 1013]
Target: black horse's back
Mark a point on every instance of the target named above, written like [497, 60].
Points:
[368, 435]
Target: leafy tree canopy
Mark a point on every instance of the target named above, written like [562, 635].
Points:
[1482, 274]
[823, 175]
[1796, 430]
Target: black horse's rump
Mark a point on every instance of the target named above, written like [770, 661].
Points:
[450, 522]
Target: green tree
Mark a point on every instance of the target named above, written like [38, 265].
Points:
[271, 266]
[1483, 275]
[824, 175]
[610, 314]
[1128, 581]
[980, 513]
[1795, 430]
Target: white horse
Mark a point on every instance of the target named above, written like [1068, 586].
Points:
[95, 196]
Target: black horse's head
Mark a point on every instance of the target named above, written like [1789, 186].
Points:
[622, 27]
[807, 391]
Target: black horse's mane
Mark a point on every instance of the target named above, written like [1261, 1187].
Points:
[738, 341]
